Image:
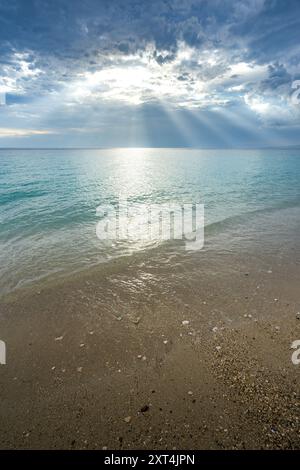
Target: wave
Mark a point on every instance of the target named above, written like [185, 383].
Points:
[228, 222]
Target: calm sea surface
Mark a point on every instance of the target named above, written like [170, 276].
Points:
[48, 200]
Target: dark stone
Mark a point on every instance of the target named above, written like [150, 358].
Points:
[144, 409]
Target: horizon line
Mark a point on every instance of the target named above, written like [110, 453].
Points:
[297, 146]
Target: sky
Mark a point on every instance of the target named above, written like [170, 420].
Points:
[149, 73]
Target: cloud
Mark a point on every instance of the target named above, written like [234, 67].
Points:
[6, 132]
[67, 62]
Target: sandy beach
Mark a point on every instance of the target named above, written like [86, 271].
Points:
[103, 361]
[149, 231]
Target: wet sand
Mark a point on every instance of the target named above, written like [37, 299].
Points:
[103, 361]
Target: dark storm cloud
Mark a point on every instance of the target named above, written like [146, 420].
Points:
[64, 27]
[78, 31]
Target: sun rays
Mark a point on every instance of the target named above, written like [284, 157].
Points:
[195, 97]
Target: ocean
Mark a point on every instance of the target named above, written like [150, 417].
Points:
[49, 201]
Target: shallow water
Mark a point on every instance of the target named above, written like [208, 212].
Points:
[49, 199]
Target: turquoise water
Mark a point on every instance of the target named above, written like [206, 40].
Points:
[48, 199]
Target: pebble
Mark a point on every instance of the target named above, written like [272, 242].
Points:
[165, 341]
[185, 322]
[218, 348]
[127, 419]
[190, 392]
[215, 329]
[298, 315]
[79, 369]
[59, 338]
[144, 408]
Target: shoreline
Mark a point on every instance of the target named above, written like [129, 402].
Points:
[192, 355]
[213, 239]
